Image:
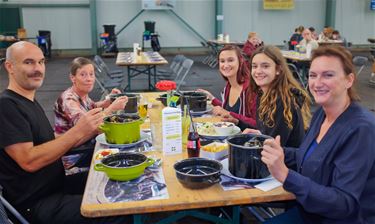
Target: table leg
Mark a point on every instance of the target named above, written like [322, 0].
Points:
[137, 219]
[203, 216]
[149, 77]
[236, 214]
[129, 87]
[155, 76]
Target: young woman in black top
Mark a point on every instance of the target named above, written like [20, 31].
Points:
[282, 104]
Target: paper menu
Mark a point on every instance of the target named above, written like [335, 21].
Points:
[171, 130]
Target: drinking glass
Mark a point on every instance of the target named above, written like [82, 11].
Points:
[142, 107]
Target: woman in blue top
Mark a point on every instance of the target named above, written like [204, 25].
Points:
[332, 174]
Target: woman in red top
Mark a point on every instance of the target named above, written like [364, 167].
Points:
[233, 69]
[253, 42]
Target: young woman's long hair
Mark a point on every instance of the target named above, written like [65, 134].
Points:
[243, 72]
[284, 86]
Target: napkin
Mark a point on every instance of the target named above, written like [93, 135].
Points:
[268, 185]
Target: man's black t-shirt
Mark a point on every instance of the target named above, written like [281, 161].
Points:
[22, 120]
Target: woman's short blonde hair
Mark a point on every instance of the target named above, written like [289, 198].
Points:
[251, 35]
[78, 63]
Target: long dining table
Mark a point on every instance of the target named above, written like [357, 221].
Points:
[145, 63]
[180, 199]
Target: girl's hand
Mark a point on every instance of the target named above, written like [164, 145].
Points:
[251, 131]
[219, 111]
[230, 119]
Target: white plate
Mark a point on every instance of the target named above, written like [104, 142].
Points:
[226, 172]
[197, 113]
[101, 139]
[215, 136]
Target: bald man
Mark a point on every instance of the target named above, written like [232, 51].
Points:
[31, 171]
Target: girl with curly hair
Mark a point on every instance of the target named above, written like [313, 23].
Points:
[283, 106]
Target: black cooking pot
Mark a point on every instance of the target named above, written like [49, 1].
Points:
[245, 156]
[163, 98]
[197, 173]
[132, 104]
[197, 100]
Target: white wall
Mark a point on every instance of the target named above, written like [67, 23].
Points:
[274, 26]
[173, 33]
[71, 26]
[355, 20]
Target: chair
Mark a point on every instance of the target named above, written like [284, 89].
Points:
[212, 61]
[6, 206]
[207, 58]
[372, 51]
[290, 216]
[184, 70]
[266, 215]
[360, 61]
[45, 42]
[3, 215]
[173, 68]
[103, 66]
[297, 74]
[105, 82]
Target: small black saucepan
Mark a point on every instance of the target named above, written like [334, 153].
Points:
[245, 156]
[197, 173]
[163, 98]
[197, 100]
[132, 104]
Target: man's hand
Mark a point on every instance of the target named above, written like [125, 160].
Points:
[89, 122]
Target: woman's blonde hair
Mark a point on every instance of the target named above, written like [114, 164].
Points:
[251, 34]
[284, 86]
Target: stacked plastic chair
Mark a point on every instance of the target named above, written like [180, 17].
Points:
[171, 71]
[6, 206]
[106, 79]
